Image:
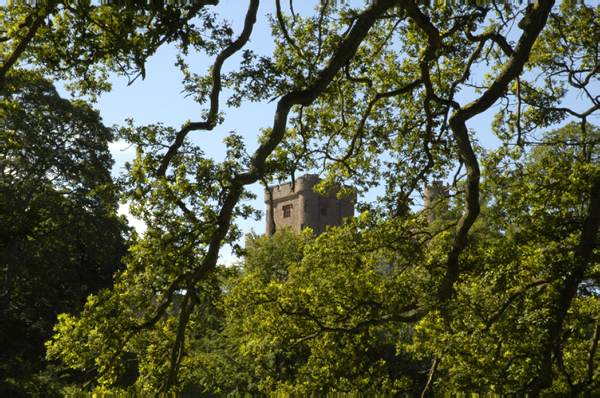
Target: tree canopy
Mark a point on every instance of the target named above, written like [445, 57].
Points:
[61, 240]
[499, 294]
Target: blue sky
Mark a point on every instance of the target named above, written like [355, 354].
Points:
[158, 98]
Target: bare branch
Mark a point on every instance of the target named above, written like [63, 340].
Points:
[496, 315]
[379, 96]
[592, 353]
[495, 37]
[432, 371]
[364, 80]
[271, 207]
[284, 31]
[211, 119]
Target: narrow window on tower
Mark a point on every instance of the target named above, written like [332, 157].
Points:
[287, 211]
[323, 210]
[306, 207]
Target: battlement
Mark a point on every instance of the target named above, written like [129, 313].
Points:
[303, 183]
[300, 207]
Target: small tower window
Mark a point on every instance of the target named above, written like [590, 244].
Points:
[306, 207]
[287, 211]
[323, 210]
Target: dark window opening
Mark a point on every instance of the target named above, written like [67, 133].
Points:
[323, 210]
[287, 211]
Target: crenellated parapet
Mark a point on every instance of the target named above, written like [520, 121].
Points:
[299, 207]
[302, 184]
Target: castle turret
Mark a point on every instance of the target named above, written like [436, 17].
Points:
[433, 195]
[300, 207]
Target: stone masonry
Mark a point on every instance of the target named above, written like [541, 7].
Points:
[303, 208]
[433, 194]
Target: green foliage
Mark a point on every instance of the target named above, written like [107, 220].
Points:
[82, 44]
[523, 254]
[312, 313]
[61, 240]
[498, 294]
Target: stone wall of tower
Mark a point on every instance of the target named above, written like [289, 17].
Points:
[433, 194]
[307, 209]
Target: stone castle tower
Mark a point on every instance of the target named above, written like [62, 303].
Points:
[303, 208]
[433, 194]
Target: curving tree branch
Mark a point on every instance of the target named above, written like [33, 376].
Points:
[211, 119]
[284, 30]
[344, 53]
[532, 24]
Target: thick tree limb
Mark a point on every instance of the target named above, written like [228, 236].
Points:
[346, 50]
[532, 25]
[495, 37]
[178, 350]
[234, 191]
[32, 22]
[568, 289]
[382, 320]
